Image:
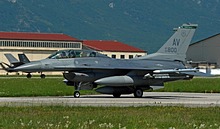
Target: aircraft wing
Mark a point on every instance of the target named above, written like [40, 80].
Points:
[156, 70]
[104, 67]
[199, 74]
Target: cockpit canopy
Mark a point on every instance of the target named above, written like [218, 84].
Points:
[75, 54]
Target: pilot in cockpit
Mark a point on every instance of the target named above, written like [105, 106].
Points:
[92, 54]
[72, 54]
[63, 54]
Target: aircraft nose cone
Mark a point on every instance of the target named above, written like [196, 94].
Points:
[29, 67]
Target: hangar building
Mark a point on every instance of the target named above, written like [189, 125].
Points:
[35, 45]
[205, 53]
[40, 45]
[114, 49]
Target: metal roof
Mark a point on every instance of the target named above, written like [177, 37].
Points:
[111, 46]
[100, 45]
[205, 39]
[36, 36]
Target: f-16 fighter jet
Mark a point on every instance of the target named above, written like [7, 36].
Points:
[89, 69]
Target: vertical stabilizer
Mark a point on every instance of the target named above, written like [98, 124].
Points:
[11, 58]
[23, 58]
[13, 61]
[176, 46]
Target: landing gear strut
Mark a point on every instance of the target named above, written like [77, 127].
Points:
[77, 88]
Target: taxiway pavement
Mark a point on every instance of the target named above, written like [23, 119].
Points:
[149, 99]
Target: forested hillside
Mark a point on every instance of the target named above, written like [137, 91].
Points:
[146, 24]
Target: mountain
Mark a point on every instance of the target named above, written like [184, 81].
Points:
[146, 24]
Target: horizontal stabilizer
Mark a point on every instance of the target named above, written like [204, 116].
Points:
[157, 87]
[6, 67]
[199, 74]
[3, 67]
[194, 72]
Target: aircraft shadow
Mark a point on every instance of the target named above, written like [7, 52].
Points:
[144, 97]
[169, 97]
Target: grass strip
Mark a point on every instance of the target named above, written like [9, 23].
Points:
[109, 117]
[15, 87]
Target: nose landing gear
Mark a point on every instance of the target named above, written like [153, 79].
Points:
[76, 94]
[77, 88]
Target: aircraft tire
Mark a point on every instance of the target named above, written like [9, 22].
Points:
[138, 93]
[116, 95]
[42, 76]
[29, 75]
[76, 94]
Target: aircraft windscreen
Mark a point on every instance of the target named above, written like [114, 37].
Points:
[72, 54]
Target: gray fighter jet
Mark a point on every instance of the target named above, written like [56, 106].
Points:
[89, 69]
[16, 63]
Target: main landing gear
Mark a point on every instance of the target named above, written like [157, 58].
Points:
[115, 91]
[41, 76]
[138, 93]
[77, 88]
[29, 75]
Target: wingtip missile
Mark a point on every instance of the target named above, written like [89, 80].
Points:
[175, 70]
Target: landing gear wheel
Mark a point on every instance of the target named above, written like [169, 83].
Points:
[138, 93]
[76, 94]
[29, 75]
[116, 95]
[42, 76]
